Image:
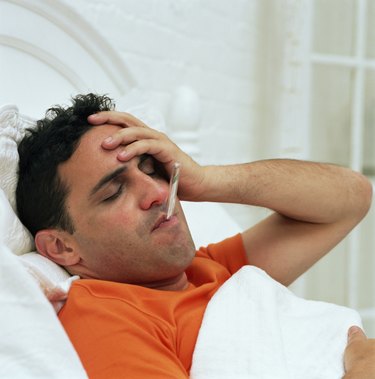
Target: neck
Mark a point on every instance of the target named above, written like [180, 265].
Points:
[178, 283]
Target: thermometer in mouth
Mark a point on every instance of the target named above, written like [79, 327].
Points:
[173, 185]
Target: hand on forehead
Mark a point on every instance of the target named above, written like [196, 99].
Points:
[121, 119]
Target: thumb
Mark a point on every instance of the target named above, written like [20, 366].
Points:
[355, 333]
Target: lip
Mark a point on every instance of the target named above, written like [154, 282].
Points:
[161, 221]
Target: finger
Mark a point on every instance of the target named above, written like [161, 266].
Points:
[150, 147]
[122, 119]
[129, 135]
[355, 333]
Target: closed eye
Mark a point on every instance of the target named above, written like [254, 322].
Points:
[147, 165]
[115, 195]
[151, 167]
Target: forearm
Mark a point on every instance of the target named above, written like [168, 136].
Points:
[304, 191]
[351, 375]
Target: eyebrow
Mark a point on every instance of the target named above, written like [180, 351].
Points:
[106, 179]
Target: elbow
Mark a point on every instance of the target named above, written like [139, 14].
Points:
[364, 192]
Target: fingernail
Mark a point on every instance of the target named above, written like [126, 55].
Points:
[352, 330]
[123, 154]
[108, 140]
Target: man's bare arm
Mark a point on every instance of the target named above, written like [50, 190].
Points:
[315, 206]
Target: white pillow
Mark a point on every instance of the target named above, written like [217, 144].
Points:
[12, 233]
[51, 278]
[12, 130]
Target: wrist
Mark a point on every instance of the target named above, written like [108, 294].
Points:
[217, 184]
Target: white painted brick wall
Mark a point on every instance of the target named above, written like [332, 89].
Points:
[209, 45]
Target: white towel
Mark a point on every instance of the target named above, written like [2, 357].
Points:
[254, 327]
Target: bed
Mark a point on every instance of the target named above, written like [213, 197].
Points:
[35, 74]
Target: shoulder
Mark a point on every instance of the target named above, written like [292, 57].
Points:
[230, 253]
[100, 300]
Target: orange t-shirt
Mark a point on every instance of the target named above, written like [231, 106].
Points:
[128, 331]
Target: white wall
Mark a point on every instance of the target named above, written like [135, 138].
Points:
[208, 45]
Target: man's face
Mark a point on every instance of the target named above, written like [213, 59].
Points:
[117, 212]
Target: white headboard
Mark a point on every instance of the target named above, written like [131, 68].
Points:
[48, 53]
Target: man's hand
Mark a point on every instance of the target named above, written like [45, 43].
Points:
[136, 139]
[359, 358]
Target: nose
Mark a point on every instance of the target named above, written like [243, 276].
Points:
[153, 192]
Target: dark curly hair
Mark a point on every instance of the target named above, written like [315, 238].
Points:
[40, 192]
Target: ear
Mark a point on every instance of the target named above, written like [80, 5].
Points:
[56, 246]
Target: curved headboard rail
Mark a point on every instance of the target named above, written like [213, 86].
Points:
[51, 53]
[70, 23]
[46, 58]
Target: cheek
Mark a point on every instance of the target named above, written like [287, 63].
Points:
[109, 217]
[104, 246]
[105, 228]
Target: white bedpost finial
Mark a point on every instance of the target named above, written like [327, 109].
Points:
[183, 119]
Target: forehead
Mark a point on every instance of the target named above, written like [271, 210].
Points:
[92, 140]
[90, 161]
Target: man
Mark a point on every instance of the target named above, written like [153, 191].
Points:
[92, 188]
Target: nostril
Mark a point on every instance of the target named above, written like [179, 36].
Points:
[155, 193]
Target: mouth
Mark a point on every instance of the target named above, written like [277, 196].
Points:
[163, 221]
[159, 221]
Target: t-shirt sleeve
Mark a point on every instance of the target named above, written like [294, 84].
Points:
[230, 253]
[111, 348]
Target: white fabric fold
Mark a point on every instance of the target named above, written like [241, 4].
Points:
[33, 344]
[52, 279]
[254, 327]
[13, 126]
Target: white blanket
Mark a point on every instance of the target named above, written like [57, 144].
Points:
[33, 343]
[256, 328]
